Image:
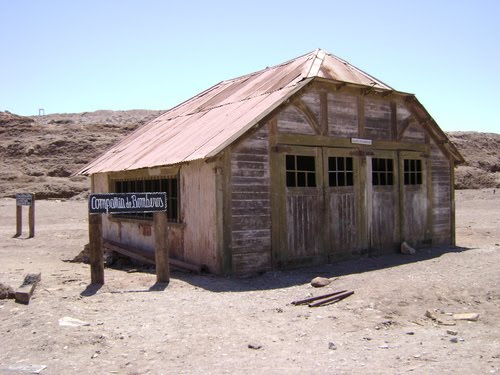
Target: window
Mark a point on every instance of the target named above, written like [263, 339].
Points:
[413, 172]
[340, 171]
[300, 171]
[168, 185]
[382, 171]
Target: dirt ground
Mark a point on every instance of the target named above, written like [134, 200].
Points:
[202, 324]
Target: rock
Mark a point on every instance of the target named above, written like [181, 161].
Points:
[429, 314]
[6, 291]
[454, 340]
[451, 332]
[384, 346]
[72, 322]
[319, 282]
[466, 316]
[254, 346]
[407, 249]
[332, 346]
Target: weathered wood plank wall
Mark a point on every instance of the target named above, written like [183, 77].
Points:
[198, 213]
[251, 203]
[441, 196]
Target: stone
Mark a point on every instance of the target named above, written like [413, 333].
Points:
[6, 291]
[72, 322]
[454, 340]
[254, 346]
[451, 332]
[466, 316]
[407, 249]
[319, 282]
[332, 346]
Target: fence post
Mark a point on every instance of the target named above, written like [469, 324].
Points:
[31, 217]
[96, 249]
[19, 220]
[161, 247]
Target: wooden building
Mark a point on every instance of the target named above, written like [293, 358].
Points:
[302, 163]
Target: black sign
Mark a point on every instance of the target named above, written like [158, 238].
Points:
[127, 202]
[24, 199]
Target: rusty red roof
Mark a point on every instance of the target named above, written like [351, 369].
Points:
[207, 123]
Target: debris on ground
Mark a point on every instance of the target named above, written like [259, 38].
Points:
[6, 291]
[27, 288]
[68, 321]
[329, 298]
[320, 282]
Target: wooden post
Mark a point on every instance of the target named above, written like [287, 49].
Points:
[31, 218]
[19, 221]
[96, 249]
[161, 247]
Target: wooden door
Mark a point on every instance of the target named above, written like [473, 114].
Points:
[413, 187]
[302, 217]
[383, 201]
[342, 186]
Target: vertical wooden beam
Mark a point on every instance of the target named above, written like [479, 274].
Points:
[361, 116]
[323, 100]
[96, 250]
[394, 121]
[161, 247]
[31, 216]
[452, 202]
[19, 221]
[228, 227]
[276, 198]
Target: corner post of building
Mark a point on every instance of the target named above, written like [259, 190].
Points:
[161, 247]
[31, 217]
[96, 249]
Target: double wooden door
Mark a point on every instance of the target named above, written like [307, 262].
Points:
[336, 202]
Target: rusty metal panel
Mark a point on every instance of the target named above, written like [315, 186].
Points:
[202, 126]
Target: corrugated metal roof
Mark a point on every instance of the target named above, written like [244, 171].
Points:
[207, 123]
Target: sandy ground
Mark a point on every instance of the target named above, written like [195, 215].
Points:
[215, 325]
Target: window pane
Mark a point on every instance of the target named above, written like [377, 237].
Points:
[305, 163]
[419, 178]
[375, 178]
[348, 164]
[332, 179]
[389, 165]
[290, 162]
[332, 164]
[349, 179]
[290, 179]
[301, 179]
[341, 178]
[340, 164]
[389, 179]
[407, 178]
[311, 179]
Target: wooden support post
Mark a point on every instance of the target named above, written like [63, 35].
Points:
[31, 218]
[96, 249]
[19, 221]
[161, 247]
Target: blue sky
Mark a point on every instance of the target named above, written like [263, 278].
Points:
[77, 56]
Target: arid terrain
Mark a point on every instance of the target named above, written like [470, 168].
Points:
[399, 319]
[203, 324]
[39, 154]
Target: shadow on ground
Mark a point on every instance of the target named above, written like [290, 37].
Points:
[283, 279]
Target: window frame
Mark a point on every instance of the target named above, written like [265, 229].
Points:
[168, 184]
[298, 173]
[343, 172]
[383, 171]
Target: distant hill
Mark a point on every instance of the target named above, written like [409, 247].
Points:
[39, 153]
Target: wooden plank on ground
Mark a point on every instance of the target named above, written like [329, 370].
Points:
[25, 291]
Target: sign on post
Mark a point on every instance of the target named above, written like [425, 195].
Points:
[113, 203]
[25, 199]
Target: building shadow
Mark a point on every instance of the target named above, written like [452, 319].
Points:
[288, 278]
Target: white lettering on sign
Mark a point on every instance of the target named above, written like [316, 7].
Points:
[127, 202]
